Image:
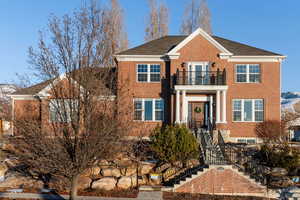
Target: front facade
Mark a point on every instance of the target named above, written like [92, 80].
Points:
[204, 82]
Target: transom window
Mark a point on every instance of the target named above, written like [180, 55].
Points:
[248, 110]
[148, 109]
[148, 73]
[63, 110]
[248, 73]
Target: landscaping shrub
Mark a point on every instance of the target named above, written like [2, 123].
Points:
[279, 156]
[174, 143]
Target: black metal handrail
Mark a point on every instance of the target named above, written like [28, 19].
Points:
[201, 77]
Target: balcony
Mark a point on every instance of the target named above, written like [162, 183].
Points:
[200, 77]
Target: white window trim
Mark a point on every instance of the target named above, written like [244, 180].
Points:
[69, 118]
[153, 109]
[247, 73]
[246, 139]
[242, 110]
[148, 73]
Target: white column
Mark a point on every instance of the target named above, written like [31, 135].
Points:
[177, 106]
[211, 108]
[224, 107]
[218, 107]
[183, 106]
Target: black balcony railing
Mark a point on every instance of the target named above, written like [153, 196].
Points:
[201, 77]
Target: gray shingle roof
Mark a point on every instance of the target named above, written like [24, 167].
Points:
[164, 44]
[34, 89]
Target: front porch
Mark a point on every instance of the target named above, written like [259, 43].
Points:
[199, 106]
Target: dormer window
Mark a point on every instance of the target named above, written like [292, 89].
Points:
[148, 73]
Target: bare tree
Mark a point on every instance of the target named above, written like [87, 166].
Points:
[84, 114]
[196, 15]
[275, 131]
[115, 28]
[158, 21]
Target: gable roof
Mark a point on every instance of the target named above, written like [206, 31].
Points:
[165, 44]
[159, 46]
[35, 89]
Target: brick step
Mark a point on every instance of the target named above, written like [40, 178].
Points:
[186, 175]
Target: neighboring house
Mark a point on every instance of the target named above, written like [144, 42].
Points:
[290, 103]
[202, 81]
[199, 80]
[37, 102]
[5, 106]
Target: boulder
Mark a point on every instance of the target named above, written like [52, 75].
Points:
[123, 163]
[142, 180]
[103, 164]
[278, 171]
[111, 172]
[124, 182]
[92, 172]
[145, 168]
[106, 183]
[84, 182]
[95, 171]
[17, 181]
[3, 169]
[130, 171]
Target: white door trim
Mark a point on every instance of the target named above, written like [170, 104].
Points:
[186, 101]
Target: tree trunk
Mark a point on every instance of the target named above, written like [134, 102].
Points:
[73, 191]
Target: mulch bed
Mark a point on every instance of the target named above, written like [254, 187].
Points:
[188, 196]
[132, 193]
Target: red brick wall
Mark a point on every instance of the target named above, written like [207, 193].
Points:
[220, 181]
[128, 81]
[197, 50]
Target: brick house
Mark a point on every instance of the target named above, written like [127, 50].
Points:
[199, 80]
[40, 103]
[203, 81]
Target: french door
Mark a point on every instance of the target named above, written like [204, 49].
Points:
[198, 73]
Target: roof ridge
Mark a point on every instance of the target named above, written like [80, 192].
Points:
[244, 44]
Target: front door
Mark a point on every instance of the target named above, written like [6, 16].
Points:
[197, 114]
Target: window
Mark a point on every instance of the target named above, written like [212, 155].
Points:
[63, 110]
[148, 109]
[154, 73]
[259, 110]
[248, 73]
[246, 141]
[159, 109]
[248, 110]
[237, 110]
[148, 73]
[142, 73]
[138, 110]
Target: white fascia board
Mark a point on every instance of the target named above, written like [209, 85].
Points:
[22, 97]
[142, 58]
[201, 32]
[256, 58]
[201, 87]
[44, 92]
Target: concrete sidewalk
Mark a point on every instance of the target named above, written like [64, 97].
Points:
[157, 195]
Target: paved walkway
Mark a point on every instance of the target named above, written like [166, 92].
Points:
[141, 196]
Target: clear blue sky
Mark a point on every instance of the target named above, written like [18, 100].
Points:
[269, 24]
